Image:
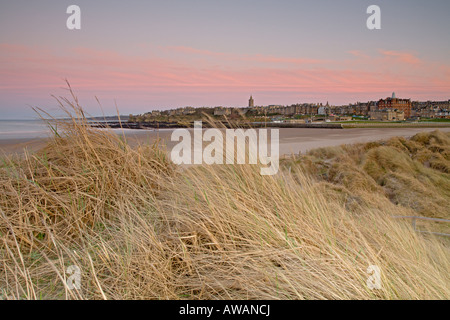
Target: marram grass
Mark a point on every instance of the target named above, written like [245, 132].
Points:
[139, 227]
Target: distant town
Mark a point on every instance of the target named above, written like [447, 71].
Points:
[387, 109]
[390, 109]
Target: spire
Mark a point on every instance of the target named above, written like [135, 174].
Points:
[251, 102]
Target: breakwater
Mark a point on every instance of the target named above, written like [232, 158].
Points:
[174, 125]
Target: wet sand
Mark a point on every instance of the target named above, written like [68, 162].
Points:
[292, 140]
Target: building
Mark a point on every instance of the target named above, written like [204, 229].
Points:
[324, 110]
[387, 115]
[251, 102]
[396, 103]
[241, 111]
[431, 109]
[221, 111]
[188, 110]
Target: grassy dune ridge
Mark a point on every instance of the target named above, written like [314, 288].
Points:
[413, 173]
[139, 227]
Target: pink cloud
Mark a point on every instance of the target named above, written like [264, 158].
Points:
[404, 57]
[358, 53]
[160, 78]
[189, 50]
[244, 57]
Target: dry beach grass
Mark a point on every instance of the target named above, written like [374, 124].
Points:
[139, 227]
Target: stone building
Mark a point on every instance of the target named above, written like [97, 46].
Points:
[251, 102]
[396, 103]
[221, 111]
[387, 115]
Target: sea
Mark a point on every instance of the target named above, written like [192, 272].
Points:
[23, 129]
[31, 129]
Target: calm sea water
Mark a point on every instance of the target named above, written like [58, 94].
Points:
[29, 129]
[23, 129]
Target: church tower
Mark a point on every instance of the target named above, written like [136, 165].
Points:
[251, 102]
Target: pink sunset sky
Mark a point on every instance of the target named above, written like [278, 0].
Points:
[146, 57]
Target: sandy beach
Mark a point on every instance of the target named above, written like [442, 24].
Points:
[12, 146]
[292, 140]
[302, 140]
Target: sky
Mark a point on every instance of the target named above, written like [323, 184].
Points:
[139, 56]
